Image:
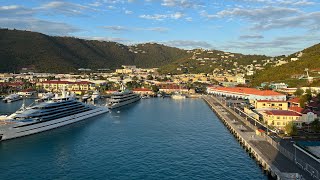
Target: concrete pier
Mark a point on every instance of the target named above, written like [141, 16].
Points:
[269, 158]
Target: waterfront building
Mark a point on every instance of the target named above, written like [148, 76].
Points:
[246, 93]
[280, 118]
[75, 87]
[262, 104]
[143, 91]
[172, 88]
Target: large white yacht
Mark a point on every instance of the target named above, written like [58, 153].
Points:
[119, 99]
[12, 98]
[58, 112]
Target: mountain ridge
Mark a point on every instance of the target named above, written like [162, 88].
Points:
[43, 53]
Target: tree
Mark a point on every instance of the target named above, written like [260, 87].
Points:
[306, 98]
[318, 97]
[315, 125]
[134, 78]
[154, 88]
[149, 77]
[299, 92]
[291, 129]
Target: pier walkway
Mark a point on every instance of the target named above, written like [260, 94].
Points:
[272, 161]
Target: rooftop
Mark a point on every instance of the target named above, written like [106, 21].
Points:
[282, 113]
[244, 90]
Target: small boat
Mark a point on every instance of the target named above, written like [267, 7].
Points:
[145, 97]
[86, 97]
[46, 97]
[178, 96]
[12, 98]
[95, 96]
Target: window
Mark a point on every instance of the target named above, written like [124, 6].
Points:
[272, 104]
[280, 104]
[278, 117]
[278, 123]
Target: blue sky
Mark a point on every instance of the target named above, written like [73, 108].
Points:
[271, 27]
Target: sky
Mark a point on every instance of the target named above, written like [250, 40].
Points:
[270, 27]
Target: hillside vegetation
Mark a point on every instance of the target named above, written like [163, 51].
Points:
[214, 61]
[290, 72]
[43, 53]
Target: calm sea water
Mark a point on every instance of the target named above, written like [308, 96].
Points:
[152, 139]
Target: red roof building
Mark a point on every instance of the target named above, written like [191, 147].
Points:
[143, 91]
[294, 102]
[247, 93]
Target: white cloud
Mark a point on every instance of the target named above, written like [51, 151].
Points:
[281, 2]
[156, 29]
[182, 3]
[23, 18]
[189, 19]
[32, 24]
[15, 11]
[251, 37]
[65, 8]
[189, 44]
[128, 12]
[269, 17]
[275, 46]
[160, 17]
[262, 14]
[122, 28]
[95, 4]
[115, 28]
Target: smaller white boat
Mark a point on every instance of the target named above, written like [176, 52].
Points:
[145, 97]
[86, 97]
[95, 96]
[46, 97]
[12, 98]
[178, 96]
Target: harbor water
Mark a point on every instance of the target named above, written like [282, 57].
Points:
[153, 139]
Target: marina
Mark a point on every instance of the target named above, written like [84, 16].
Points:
[152, 139]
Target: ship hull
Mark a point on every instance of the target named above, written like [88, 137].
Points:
[114, 106]
[15, 132]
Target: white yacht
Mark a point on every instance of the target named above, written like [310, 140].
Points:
[12, 98]
[46, 97]
[178, 96]
[58, 112]
[119, 99]
[95, 95]
[86, 97]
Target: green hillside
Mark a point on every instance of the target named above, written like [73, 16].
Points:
[290, 72]
[43, 53]
[214, 61]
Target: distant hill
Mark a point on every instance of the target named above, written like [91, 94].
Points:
[43, 53]
[294, 69]
[217, 62]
